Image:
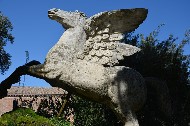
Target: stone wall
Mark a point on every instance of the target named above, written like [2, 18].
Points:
[29, 97]
[6, 105]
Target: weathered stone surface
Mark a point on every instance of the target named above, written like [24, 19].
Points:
[83, 60]
[77, 62]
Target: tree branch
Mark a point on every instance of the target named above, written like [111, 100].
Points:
[15, 77]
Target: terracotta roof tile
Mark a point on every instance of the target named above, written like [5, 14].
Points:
[16, 90]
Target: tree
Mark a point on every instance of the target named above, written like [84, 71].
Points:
[164, 60]
[5, 36]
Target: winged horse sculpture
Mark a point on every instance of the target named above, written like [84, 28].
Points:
[85, 60]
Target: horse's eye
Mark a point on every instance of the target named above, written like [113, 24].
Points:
[56, 10]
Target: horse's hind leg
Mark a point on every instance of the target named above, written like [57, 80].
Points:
[127, 116]
[131, 119]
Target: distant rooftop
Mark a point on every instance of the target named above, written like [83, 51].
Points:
[34, 91]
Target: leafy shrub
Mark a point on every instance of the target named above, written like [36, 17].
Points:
[88, 113]
[59, 122]
[24, 117]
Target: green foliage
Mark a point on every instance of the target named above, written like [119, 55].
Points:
[59, 122]
[88, 113]
[5, 36]
[24, 117]
[165, 60]
[162, 59]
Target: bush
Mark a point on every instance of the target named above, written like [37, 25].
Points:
[88, 113]
[24, 117]
[59, 122]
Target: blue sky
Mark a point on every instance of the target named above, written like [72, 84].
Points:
[36, 33]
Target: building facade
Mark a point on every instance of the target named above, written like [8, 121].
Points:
[31, 97]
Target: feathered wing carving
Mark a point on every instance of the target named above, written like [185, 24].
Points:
[105, 33]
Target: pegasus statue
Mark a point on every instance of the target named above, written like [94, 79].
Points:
[85, 60]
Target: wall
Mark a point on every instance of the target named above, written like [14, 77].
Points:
[6, 105]
[29, 95]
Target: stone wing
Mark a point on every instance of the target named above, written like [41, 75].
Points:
[122, 21]
[105, 34]
[107, 53]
